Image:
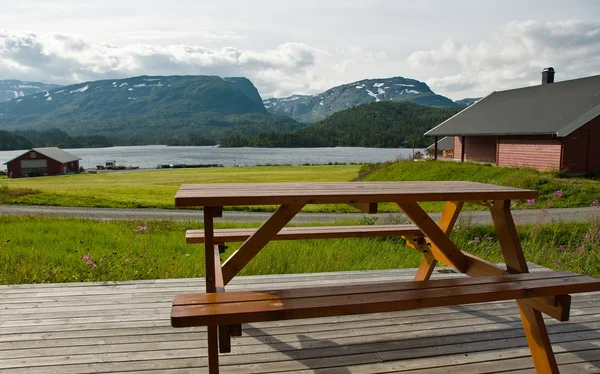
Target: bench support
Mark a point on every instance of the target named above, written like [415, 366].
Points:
[256, 242]
[533, 322]
[442, 247]
[446, 223]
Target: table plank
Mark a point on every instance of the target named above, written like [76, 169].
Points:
[342, 193]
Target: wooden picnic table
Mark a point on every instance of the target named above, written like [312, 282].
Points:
[434, 241]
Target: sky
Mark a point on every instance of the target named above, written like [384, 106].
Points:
[460, 48]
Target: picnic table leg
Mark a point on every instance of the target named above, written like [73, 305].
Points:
[211, 287]
[446, 223]
[533, 322]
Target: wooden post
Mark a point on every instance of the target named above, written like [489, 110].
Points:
[212, 333]
[533, 322]
[435, 147]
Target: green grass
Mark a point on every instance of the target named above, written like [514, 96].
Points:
[155, 189]
[576, 191]
[42, 250]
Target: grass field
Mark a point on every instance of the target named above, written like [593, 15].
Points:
[153, 189]
[41, 250]
[574, 191]
[156, 189]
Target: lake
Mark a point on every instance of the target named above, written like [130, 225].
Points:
[153, 155]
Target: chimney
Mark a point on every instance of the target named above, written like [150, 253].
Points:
[548, 76]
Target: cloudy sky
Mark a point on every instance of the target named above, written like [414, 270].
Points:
[461, 48]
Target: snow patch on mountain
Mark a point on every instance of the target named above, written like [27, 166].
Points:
[81, 89]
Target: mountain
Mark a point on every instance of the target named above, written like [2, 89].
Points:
[313, 108]
[381, 124]
[467, 101]
[147, 109]
[12, 88]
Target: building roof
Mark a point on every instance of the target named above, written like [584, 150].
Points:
[444, 144]
[549, 109]
[53, 153]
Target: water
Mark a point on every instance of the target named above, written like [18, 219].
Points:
[153, 155]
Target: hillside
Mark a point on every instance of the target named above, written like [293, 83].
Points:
[576, 192]
[13, 88]
[383, 124]
[145, 109]
[313, 108]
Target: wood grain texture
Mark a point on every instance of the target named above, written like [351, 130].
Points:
[136, 337]
[533, 323]
[341, 193]
[308, 303]
[308, 233]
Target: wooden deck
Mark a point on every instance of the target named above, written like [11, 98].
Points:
[125, 327]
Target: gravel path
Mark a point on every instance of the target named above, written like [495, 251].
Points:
[481, 217]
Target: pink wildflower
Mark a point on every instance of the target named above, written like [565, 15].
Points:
[595, 204]
[126, 260]
[580, 250]
[142, 229]
[476, 239]
[561, 247]
[531, 202]
[558, 194]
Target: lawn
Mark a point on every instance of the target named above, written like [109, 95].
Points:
[574, 191]
[156, 189]
[152, 189]
[42, 250]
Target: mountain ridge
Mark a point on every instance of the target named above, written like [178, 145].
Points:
[146, 107]
[313, 108]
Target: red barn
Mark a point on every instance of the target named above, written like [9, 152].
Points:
[554, 126]
[42, 161]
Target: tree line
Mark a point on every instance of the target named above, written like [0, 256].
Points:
[380, 125]
[27, 139]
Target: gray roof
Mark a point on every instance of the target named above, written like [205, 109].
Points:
[444, 144]
[549, 109]
[53, 153]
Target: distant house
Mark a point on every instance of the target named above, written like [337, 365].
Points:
[445, 145]
[554, 126]
[42, 161]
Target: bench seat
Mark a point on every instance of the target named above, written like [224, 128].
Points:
[244, 307]
[305, 233]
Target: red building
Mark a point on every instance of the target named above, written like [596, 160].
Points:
[554, 126]
[42, 161]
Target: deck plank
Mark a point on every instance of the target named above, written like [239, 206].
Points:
[124, 326]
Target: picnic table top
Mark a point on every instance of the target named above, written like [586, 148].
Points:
[342, 192]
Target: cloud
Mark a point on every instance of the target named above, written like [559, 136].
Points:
[514, 57]
[61, 58]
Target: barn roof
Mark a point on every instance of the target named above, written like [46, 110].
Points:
[549, 109]
[54, 153]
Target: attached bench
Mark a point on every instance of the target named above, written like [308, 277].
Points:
[306, 233]
[244, 307]
[235, 308]
[411, 233]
